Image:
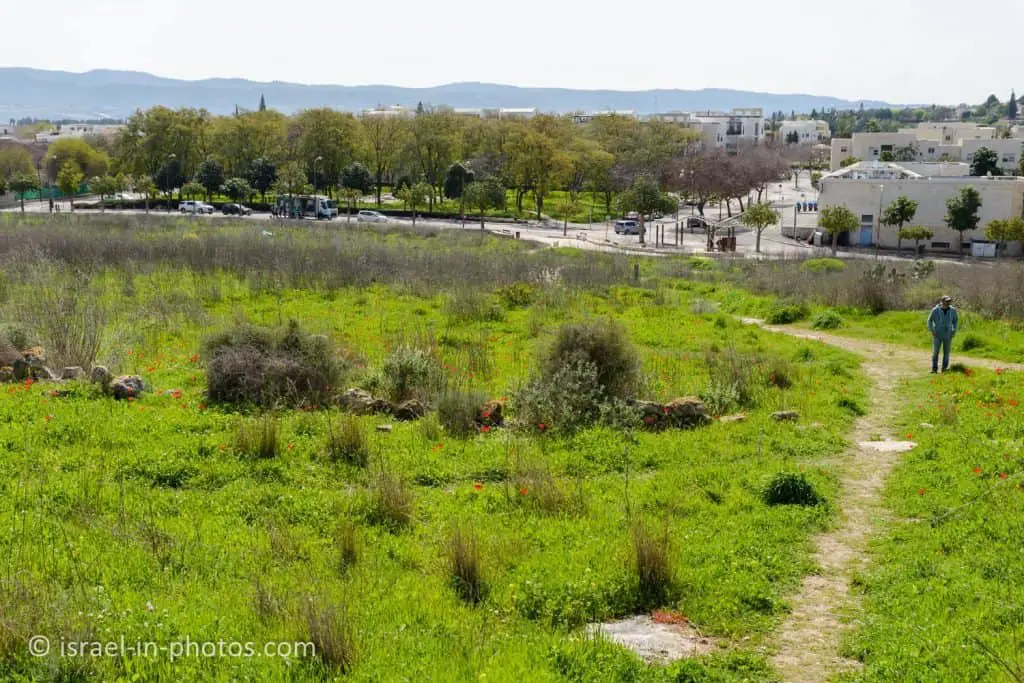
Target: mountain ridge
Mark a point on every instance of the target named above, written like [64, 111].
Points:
[99, 93]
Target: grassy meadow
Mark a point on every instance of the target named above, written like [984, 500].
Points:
[415, 554]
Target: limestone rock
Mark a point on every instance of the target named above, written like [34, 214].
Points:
[361, 402]
[72, 372]
[384, 428]
[786, 416]
[127, 386]
[100, 375]
[409, 410]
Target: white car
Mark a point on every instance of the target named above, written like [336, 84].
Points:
[371, 217]
[190, 206]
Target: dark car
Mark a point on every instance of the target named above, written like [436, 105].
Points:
[236, 210]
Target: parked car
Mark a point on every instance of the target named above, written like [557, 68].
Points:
[371, 217]
[190, 206]
[632, 216]
[627, 227]
[236, 210]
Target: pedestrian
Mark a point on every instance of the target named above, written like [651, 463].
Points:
[942, 323]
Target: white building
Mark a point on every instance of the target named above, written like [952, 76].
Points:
[866, 188]
[517, 113]
[807, 132]
[78, 130]
[394, 111]
[738, 128]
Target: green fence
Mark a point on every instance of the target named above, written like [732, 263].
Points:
[50, 192]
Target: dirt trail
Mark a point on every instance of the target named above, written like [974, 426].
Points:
[809, 640]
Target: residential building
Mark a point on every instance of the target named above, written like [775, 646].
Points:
[78, 130]
[582, 118]
[929, 142]
[394, 111]
[1009, 152]
[866, 188]
[737, 128]
[517, 113]
[807, 132]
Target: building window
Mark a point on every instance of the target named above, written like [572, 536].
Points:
[843, 150]
[867, 218]
[874, 152]
[886, 148]
[931, 150]
[940, 245]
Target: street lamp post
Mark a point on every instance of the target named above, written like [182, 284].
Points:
[878, 237]
[316, 177]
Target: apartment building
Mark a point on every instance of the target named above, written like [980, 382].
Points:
[731, 130]
[866, 188]
[78, 130]
[807, 132]
[929, 142]
[394, 111]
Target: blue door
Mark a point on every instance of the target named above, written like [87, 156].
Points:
[866, 233]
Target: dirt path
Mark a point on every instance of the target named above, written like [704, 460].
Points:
[809, 640]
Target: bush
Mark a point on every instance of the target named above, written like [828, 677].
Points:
[258, 438]
[601, 344]
[853, 406]
[823, 265]
[330, 630]
[784, 315]
[464, 566]
[16, 335]
[570, 399]
[346, 442]
[468, 305]
[410, 372]
[347, 542]
[970, 342]
[457, 412]
[827, 320]
[517, 295]
[790, 488]
[733, 381]
[653, 569]
[267, 368]
[392, 505]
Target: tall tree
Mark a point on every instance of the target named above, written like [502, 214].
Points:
[16, 160]
[1011, 106]
[414, 196]
[261, 174]
[69, 179]
[145, 186]
[169, 177]
[759, 217]
[22, 184]
[333, 136]
[210, 175]
[962, 212]
[237, 189]
[645, 197]
[385, 137]
[263, 103]
[357, 177]
[835, 220]
[433, 145]
[899, 213]
[984, 162]
[484, 195]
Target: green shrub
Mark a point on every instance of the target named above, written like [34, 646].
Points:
[823, 265]
[392, 504]
[827, 320]
[570, 399]
[457, 412]
[653, 568]
[601, 344]
[517, 295]
[410, 372]
[778, 373]
[469, 305]
[347, 542]
[266, 368]
[784, 315]
[734, 380]
[17, 335]
[850, 404]
[970, 342]
[257, 438]
[790, 488]
[464, 566]
[346, 442]
[330, 630]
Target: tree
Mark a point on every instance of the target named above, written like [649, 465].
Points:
[917, 234]
[483, 195]
[962, 212]
[261, 175]
[792, 137]
[87, 160]
[291, 180]
[385, 137]
[873, 126]
[263, 103]
[351, 196]
[333, 136]
[646, 198]
[193, 189]
[415, 195]
[21, 184]
[848, 161]
[887, 156]
[456, 180]
[432, 146]
[1006, 230]
[16, 160]
[355, 176]
[898, 214]
[210, 176]
[69, 179]
[169, 178]
[984, 162]
[836, 220]
[3, 185]
[103, 186]
[1011, 106]
[145, 186]
[759, 217]
[237, 189]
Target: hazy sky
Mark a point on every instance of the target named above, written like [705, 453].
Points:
[896, 50]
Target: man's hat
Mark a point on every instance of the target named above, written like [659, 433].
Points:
[947, 299]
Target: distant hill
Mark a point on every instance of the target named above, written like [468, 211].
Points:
[99, 94]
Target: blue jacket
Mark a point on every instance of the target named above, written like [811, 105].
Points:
[942, 323]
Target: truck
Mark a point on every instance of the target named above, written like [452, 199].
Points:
[305, 206]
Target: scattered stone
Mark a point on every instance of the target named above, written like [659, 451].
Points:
[100, 375]
[726, 419]
[6, 374]
[926, 425]
[361, 402]
[127, 386]
[384, 428]
[655, 643]
[687, 412]
[72, 372]
[786, 416]
[409, 410]
[490, 415]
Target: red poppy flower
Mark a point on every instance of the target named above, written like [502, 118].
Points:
[151, 369]
[909, 436]
[48, 418]
[478, 486]
[223, 446]
[920, 492]
[542, 426]
[202, 406]
[1003, 475]
[29, 382]
[53, 393]
[485, 429]
[522, 492]
[291, 446]
[194, 358]
[977, 470]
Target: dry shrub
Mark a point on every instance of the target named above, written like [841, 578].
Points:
[457, 411]
[258, 438]
[392, 504]
[603, 344]
[346, 541]
[329, 628]
[653, 566]
[464, 566]
[266, 368]
[68, 316]
[346, 442]
[411, 372]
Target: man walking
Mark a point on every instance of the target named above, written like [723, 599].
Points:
[942, 323]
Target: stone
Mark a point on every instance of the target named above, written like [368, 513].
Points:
[21, 369]
[726, 419]
[34, 356]
[654, 641]
[361, 402]
[688, 411]
[384, 428]
[100, 375]
[490, 415]
[127, 386]
[409, 410]
[6, 374]
[72, 372]
[786, 416]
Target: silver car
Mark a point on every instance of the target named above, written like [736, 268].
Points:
[371, 217]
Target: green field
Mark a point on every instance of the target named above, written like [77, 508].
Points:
[149, 519]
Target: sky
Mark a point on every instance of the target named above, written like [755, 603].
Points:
[900, 51]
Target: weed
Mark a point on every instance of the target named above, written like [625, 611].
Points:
[847, 403]
[652, 565]
[410, 372]
[392, 503]
[784, 315]
[346, 442]
[457, 411]
[827, 320]
[517, 295]
[346, 540]
[258, 438]
[569, 399]
[329, 629]
[790, 488]
[823, 265]
[464, 565]
[603, 345]
[970, 342]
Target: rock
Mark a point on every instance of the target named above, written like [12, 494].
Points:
[21, 369]
[34, 356]
[100, 375]
[72, 372]
[6, 374]
[361, 402]
[652, 413]
[786, 416]
[127, 386]
[726, 419]
[688, 411]
[384, 428]
[490, 415]
[409, 410]
[926, 425]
